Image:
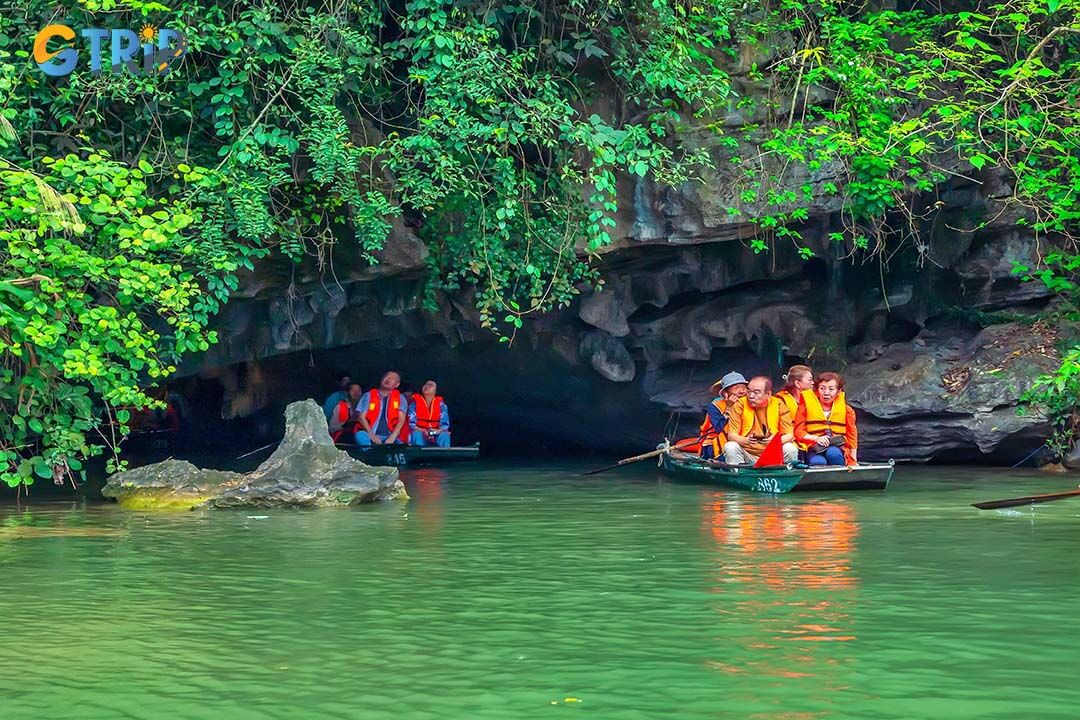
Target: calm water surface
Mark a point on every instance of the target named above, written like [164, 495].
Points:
[528, 593]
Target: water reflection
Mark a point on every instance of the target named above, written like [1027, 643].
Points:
[427, 490]
[787, 587]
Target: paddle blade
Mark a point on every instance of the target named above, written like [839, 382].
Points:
[1027, 500]
[773, 454]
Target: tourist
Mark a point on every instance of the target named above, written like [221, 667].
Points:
[429, 418]
[754, 420]
[385, 418]
[728, 389]
[330, 404]
[825, 424]
[345, 419]
[798, 378]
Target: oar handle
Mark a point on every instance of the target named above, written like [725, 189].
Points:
[643, 456]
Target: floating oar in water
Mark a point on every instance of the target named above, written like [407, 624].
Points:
[264, 447]
[1029, 500]
[643, 456]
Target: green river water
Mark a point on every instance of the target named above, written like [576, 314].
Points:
[524, 592]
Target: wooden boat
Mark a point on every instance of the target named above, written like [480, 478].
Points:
[864, 476]
[399, 455]
[778, 479]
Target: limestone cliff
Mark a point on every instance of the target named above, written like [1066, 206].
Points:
[934, 343]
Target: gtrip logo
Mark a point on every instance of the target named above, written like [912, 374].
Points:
[162, 50]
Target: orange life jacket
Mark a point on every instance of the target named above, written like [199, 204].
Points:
[790, 400]
[816, 421]
[772, 417]
[427, 418]
[709, 434]
[374, 409]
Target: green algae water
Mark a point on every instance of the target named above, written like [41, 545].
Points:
[526, 592]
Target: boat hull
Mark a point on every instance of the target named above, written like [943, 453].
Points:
[399, 455]
[769, 481]
[779, 480]
[839, 477]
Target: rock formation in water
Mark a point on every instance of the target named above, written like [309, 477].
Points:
[306, 470]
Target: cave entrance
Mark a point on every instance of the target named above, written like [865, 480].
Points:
[522, 400]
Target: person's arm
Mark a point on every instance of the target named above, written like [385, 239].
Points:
[734, 425]
[786, 428]
[799, 427]
[364, 424]
[717, 418]
[412, 417]
[402, 421]
[444, 419]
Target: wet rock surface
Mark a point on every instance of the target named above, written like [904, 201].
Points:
[306, 470]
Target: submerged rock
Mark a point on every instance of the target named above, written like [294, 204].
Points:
[306, 470]
[1072, 460]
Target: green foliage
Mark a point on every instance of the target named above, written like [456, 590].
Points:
[104, 288]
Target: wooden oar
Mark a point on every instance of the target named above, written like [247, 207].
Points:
[1029, 500]
[643, 456]
[264, 447]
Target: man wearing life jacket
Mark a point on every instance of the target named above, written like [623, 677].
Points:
[345, 419]
[754, 420]
[429, 418]
[330, 404]
[729, 388]
[798, 378]
[383, 417]
[825, 424]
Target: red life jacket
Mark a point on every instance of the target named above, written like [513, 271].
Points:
[347, 429]
[374, 409]
[427, 418]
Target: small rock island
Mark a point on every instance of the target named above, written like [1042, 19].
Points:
[306, 470]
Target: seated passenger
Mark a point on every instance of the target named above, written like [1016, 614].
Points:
[384, 419]
[345, 420]
[754, 420]
[331, 402]
[825, 425]
[731, 387]
[798, 378]
[429, 418]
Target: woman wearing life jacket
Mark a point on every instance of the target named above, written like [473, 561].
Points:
[344, 419]
[798, 378]
[825, 424]
[382, 421]
[429, 418]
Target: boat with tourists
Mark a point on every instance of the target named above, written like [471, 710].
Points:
[776, 479]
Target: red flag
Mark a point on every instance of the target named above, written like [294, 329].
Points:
[773, 453]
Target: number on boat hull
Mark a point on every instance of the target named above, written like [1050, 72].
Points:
[767, 485]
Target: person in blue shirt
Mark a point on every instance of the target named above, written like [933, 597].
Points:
[429, 418]
[331, 402]
[382, 414]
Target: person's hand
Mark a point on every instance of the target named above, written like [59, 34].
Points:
[374, 438]
[822, 442]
